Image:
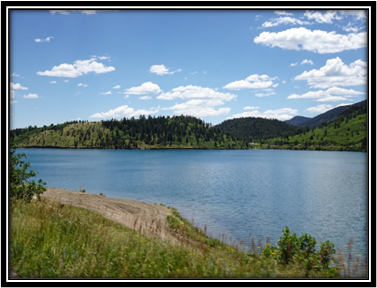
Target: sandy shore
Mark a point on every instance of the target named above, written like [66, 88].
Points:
[149, 219]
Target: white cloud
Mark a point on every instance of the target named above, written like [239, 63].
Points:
[294, 64]
[44, 40]
[306, 61]
[126, 96]
[358, 14]
[322, 17]
[107, 93]
[336, 73]
[202, 101]
[317, 41]
[17, 86]
[145, 97]
[199, 108]
[30, 96]
[327, 95]
[251, 108]
[285, 21]
[80, 67]
[282, 12]
[52, 82]
[195, 92]
[254, 81]
[13, 102]
[15, 74]
[124, 111]
[145, 88]
[116, 87]
[264, 94]
[12, 94]
[320, 108]
[162, 70]
[83, 85]
[280, 114]
[66, 81]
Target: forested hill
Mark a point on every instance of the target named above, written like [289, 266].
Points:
[347, 132]
[252, 128]
[177, 132]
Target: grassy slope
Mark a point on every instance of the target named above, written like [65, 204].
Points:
[349, 136]
[50, 241]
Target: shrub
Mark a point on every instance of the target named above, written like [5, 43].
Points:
[292, 249]
[20, 186]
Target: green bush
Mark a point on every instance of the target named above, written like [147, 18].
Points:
[293, 249]
[20, 186]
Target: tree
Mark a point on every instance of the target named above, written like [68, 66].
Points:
[20, 186]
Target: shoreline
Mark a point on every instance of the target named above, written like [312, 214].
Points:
[133, 214]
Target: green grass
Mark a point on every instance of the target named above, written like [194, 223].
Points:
[349, 136]
[49, 240]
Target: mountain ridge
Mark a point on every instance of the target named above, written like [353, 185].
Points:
[330, 115]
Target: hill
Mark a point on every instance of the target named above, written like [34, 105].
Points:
[177, 132]
[328, 116]
[347, 132]
[252, 128]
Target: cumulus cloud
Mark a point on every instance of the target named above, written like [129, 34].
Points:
[162, 70]
[78, 68]
[264, 94]
[317, 41]
[30, 96]
[327, 95]
[294, 64]
[254, 81]
[195, 92]
[52, 82]
[116, 87]
[199, 108]
[124, 111]
[145, 88]
[320, 108]
[14, 74]
[336, 73]
[82, 85]
[251, 108]
[17, 86]
[280, 114]
[306, 61]
[12, 94]
[107, 93]
[202, 101]
[44, 40]
[320, 17]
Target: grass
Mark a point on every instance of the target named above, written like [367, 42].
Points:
[50, 240]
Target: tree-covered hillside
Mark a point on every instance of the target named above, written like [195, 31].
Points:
[347, 132]
[180, 132]
[255, 129]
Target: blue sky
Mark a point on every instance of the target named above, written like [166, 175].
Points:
[215, 65]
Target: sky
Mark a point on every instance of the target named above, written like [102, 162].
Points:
[212, 64]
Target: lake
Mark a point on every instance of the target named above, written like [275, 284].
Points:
[237, 194]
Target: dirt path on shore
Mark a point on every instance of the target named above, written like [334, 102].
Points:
[149, 219]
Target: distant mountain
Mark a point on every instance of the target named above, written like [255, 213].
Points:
[298, 121]
[328, 116]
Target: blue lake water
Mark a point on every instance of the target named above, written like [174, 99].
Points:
[237, 194]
